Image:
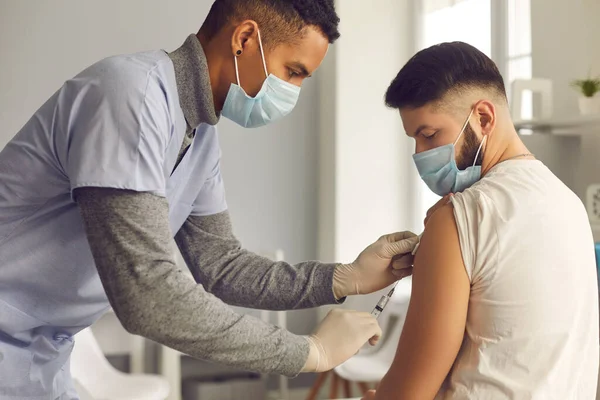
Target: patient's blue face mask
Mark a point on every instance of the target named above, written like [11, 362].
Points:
[276, 99]
[437, 167]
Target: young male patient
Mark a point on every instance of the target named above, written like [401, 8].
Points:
[505, 299]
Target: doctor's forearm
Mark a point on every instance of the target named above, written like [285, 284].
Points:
[130, 240]
[240, 277]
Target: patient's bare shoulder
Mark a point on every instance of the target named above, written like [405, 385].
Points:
[436, 318]
[440, 234]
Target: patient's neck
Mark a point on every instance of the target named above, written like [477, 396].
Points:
[502, 145]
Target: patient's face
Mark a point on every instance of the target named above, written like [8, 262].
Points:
[433, 128]
[468, 150]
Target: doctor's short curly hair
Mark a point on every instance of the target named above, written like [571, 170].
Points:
[279, 21]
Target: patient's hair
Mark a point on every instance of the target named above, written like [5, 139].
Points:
[279, 21]
[446, 68]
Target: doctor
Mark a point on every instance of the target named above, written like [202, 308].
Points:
[124, 157]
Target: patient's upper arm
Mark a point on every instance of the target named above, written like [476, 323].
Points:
[435, 323]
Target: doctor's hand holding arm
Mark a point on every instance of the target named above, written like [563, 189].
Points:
[130, 239]
[123, 159]
[371, 271]
[130, 235]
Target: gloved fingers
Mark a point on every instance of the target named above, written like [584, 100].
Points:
[394, 237]
[403, 261]
[402, 273]
[373, 341]
[399, 247]
[369, 321]
[367, 317]
[362, 314]
[363, 318]
[376, 334]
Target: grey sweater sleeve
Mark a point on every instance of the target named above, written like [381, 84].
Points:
[242, 278]
[130, 240]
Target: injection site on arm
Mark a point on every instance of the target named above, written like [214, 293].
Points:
[436, 318]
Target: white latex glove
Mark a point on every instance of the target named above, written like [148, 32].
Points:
[339, 336]
[378, 266]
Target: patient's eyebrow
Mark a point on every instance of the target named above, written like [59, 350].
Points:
[420, 129]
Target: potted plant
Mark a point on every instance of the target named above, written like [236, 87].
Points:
[589, 103]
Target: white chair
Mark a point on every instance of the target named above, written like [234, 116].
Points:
[370, 366]
[99, 380]
[536, 85]
[82, 392]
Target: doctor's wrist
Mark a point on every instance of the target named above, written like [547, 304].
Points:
[343, 281]
[313, 359]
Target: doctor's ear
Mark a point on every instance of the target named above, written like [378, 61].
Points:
[245, 36]
[485, 112]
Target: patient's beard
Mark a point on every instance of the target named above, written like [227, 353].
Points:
[469, 150]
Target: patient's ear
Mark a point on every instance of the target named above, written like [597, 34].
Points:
[485, 112]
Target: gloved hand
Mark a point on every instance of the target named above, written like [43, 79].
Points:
[371, 271]
[339, 336]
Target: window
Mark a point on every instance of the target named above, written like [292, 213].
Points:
[499, 28]
[519, 49]
[459, 20]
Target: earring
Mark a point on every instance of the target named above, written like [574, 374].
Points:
[239, 52]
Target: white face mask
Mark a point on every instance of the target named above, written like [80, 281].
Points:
[276, 99]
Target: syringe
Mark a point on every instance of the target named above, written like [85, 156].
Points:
[386, 298]
[383, 302]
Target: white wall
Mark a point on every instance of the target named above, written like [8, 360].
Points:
[565, 43]
[270, 173]
[565, 39]
[43, 43]
[364, 190]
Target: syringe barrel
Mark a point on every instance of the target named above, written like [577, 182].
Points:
[380, 306]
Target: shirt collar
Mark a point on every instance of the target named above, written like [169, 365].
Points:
[193, 83]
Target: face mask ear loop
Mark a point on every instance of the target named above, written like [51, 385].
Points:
[262, 53]
[237, 73]
[478, 150]
[464, 126]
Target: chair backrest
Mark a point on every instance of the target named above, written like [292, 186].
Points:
[535, 85]
[89, 367]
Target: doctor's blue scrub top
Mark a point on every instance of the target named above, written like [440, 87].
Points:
[118, 124]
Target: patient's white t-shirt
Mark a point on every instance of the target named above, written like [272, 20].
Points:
[532, 324]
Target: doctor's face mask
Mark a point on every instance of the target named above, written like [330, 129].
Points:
[262, 95]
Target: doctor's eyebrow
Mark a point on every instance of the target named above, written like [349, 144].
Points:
[302, 68]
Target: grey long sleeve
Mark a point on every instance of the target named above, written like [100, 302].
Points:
[242, 278]
[129, 237]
